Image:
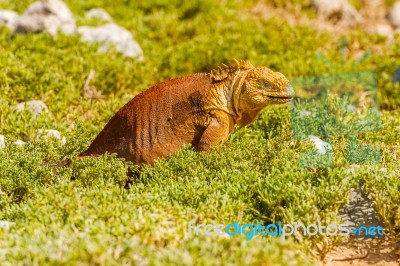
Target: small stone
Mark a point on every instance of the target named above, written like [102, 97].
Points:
[27, 24]
[20, 142]
[36, 8]
[342, 9]
[51, 133]
[112, 35]
[326, 7]
[98, 13]
[2, 142]
[6, 224]
[8, 18]
[47, 15]
[321, 146]
[59, 9]
[36, 107]
[394, 15]
[383, 30]
[396, 76]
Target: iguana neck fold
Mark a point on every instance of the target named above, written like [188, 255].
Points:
[226, 95]
[236, 88]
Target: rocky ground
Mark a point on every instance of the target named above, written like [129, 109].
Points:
[54, 16]
[359, 250]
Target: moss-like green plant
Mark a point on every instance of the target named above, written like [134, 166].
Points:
[82, 214]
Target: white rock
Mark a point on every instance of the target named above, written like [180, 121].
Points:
[36, 8]
[47, 15]
[52, 24]
[51, 133]
[6, 224]
[59, 9]
[2, 142]
[27, 24]
[327, 7]
[36, 107]
[321, 146]
[8, 18]
[98, 13]
[394, 15]
[20, 142]
[383, 30]
[112, 34]
[68, 28]
[347, 12]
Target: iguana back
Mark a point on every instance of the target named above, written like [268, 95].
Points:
[157, 122]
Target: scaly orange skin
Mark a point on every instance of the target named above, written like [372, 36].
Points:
[200, 109]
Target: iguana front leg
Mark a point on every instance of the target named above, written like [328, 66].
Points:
[218, 130]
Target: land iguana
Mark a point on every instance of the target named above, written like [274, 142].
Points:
[199, 109]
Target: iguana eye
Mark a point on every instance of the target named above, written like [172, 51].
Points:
[265, 85]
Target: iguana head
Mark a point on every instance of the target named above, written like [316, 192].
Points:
[262, 87]
[253, 88]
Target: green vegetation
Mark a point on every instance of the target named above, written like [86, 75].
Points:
[84, 215]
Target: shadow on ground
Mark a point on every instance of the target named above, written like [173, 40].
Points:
[360, 250]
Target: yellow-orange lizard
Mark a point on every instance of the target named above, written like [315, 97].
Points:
[199, 109]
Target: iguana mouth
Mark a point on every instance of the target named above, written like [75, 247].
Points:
[281, 97]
